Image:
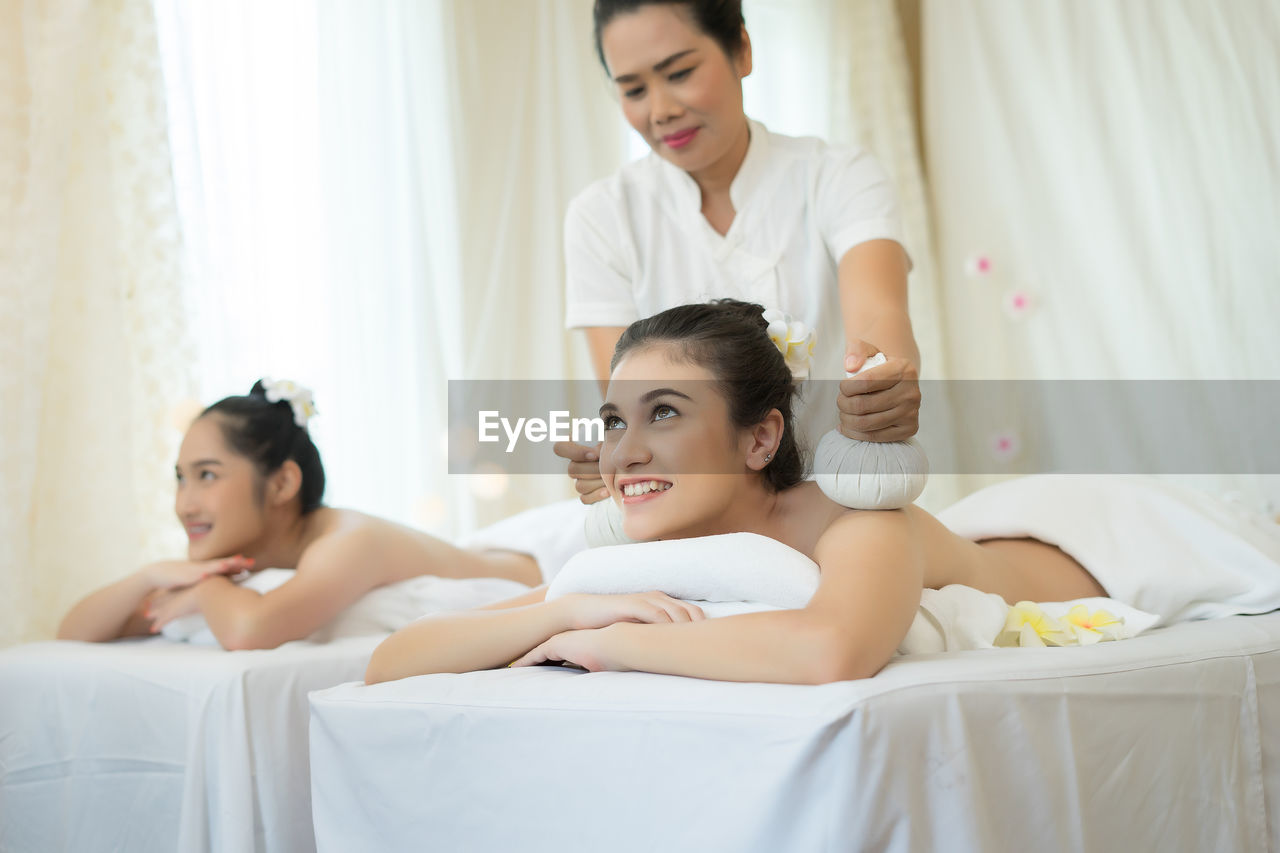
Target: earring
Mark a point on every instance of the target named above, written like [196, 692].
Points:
[768, 456]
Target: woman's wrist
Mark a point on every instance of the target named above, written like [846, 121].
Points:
[563, 613]
[146, 578]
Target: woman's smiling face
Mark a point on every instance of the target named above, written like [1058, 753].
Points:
[671, 457]
[219, 496]
[677, 87]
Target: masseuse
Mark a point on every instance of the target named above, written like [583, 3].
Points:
[725, 208]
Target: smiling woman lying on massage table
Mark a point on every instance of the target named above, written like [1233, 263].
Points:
[699, 443]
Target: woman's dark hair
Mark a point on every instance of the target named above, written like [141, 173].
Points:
[265, 433]
[730, 338]
[720, 19]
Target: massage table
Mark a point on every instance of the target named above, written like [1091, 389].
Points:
[1169, 741]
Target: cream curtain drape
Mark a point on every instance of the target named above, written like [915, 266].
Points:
[1116, 164]
[93, 349]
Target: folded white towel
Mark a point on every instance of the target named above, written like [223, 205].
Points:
[745, 572]
[380, 611]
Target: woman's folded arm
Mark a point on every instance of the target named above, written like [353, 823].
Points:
[872, 573]
[468, 640]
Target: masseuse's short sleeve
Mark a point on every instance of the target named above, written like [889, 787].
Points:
[597, 284]
[856, 201]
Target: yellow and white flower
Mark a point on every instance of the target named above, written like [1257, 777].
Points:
[793, 339]
[298, 398]
[1028, 625]
[1089, 628]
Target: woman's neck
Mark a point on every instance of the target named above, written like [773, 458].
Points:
[796, 516]
[290, 535]
[715, 180]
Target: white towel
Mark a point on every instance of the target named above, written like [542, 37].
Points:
[380, 611]
[745, 573]
[1167, 549]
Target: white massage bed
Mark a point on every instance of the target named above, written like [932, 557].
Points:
[1169, 741]
[150, 745]
[153, 745]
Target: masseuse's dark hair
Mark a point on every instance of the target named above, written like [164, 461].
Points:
[720, 19]
[266, 434]
[731, 339]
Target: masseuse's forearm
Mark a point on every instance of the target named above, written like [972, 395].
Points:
[873, 298]
[889, 330]
[466, 641]
[785, 646]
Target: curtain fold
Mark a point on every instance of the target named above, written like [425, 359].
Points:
[93, 345]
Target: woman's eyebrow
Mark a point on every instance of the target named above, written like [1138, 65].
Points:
[662, 392]
[627, 78]
[647, 397]
[199, 463]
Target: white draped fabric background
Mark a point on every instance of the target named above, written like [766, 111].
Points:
[92, 335]
[1117, 164]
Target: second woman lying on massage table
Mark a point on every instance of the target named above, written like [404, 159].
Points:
[699, 442]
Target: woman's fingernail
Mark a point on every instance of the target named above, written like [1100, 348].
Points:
[604, 493]
[591, 456]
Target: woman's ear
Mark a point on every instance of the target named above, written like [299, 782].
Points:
[764, 439]
[283, 485]
[743, 62]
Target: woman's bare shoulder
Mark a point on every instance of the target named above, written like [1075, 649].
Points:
[849, 532]
[342, 533]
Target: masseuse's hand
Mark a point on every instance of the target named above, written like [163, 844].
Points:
[584, 468]
[882, 404]
[176, 574]
[586, 610]
[587, 649]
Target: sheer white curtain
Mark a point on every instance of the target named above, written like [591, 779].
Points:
[379, 188]
[92, 341]
[1117, 165]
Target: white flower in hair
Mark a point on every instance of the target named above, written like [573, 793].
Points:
[298, 398]
[793, 339]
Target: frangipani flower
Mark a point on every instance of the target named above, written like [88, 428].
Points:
[298, 398]
[1028, 625]
[793, 339]
[1089, 628]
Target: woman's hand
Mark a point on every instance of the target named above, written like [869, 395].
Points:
[882, 404]
[587, 649]
[585, 611]
[584, 469]
[171, 604]
[179, 574]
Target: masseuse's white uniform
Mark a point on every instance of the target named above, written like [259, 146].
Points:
[636, 243]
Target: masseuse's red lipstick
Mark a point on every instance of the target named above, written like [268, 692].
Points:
[681, 138]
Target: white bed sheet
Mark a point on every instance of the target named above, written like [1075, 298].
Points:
[150, 745]
[1170, 740]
